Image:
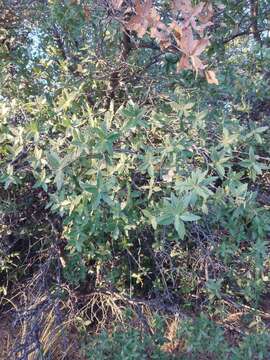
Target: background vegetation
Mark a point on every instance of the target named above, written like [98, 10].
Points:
[134, 179]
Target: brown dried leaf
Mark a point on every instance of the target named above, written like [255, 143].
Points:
[183, 63]
[199, 46]
[143, 18]
[182, 5]
[143, 9]
[86, 12]
[190, 47]
[197, 63]
[177, 31]
[117, 4]
[161, 34]
[187, 43]
[200, 28]
[137, 24]
[202, 11]
[196, 10]
[211, 77]
[206, 15]
[147, 17]
[188, 11]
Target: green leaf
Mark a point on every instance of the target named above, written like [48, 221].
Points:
[53, 160]
[59, 179]
[152, 218]
[179, 227]
[165, 219]
[187, 216]
[220, 170]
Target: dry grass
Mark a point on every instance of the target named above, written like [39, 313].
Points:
[43, 337]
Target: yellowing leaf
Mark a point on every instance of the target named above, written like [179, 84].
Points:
[79, 68]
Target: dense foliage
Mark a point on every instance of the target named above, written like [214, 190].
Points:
[134, 177]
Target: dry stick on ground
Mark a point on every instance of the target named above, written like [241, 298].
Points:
[262, 314]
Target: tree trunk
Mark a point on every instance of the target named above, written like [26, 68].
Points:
[254, 12]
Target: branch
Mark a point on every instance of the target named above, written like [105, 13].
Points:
[243, 33]
[59, 41]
